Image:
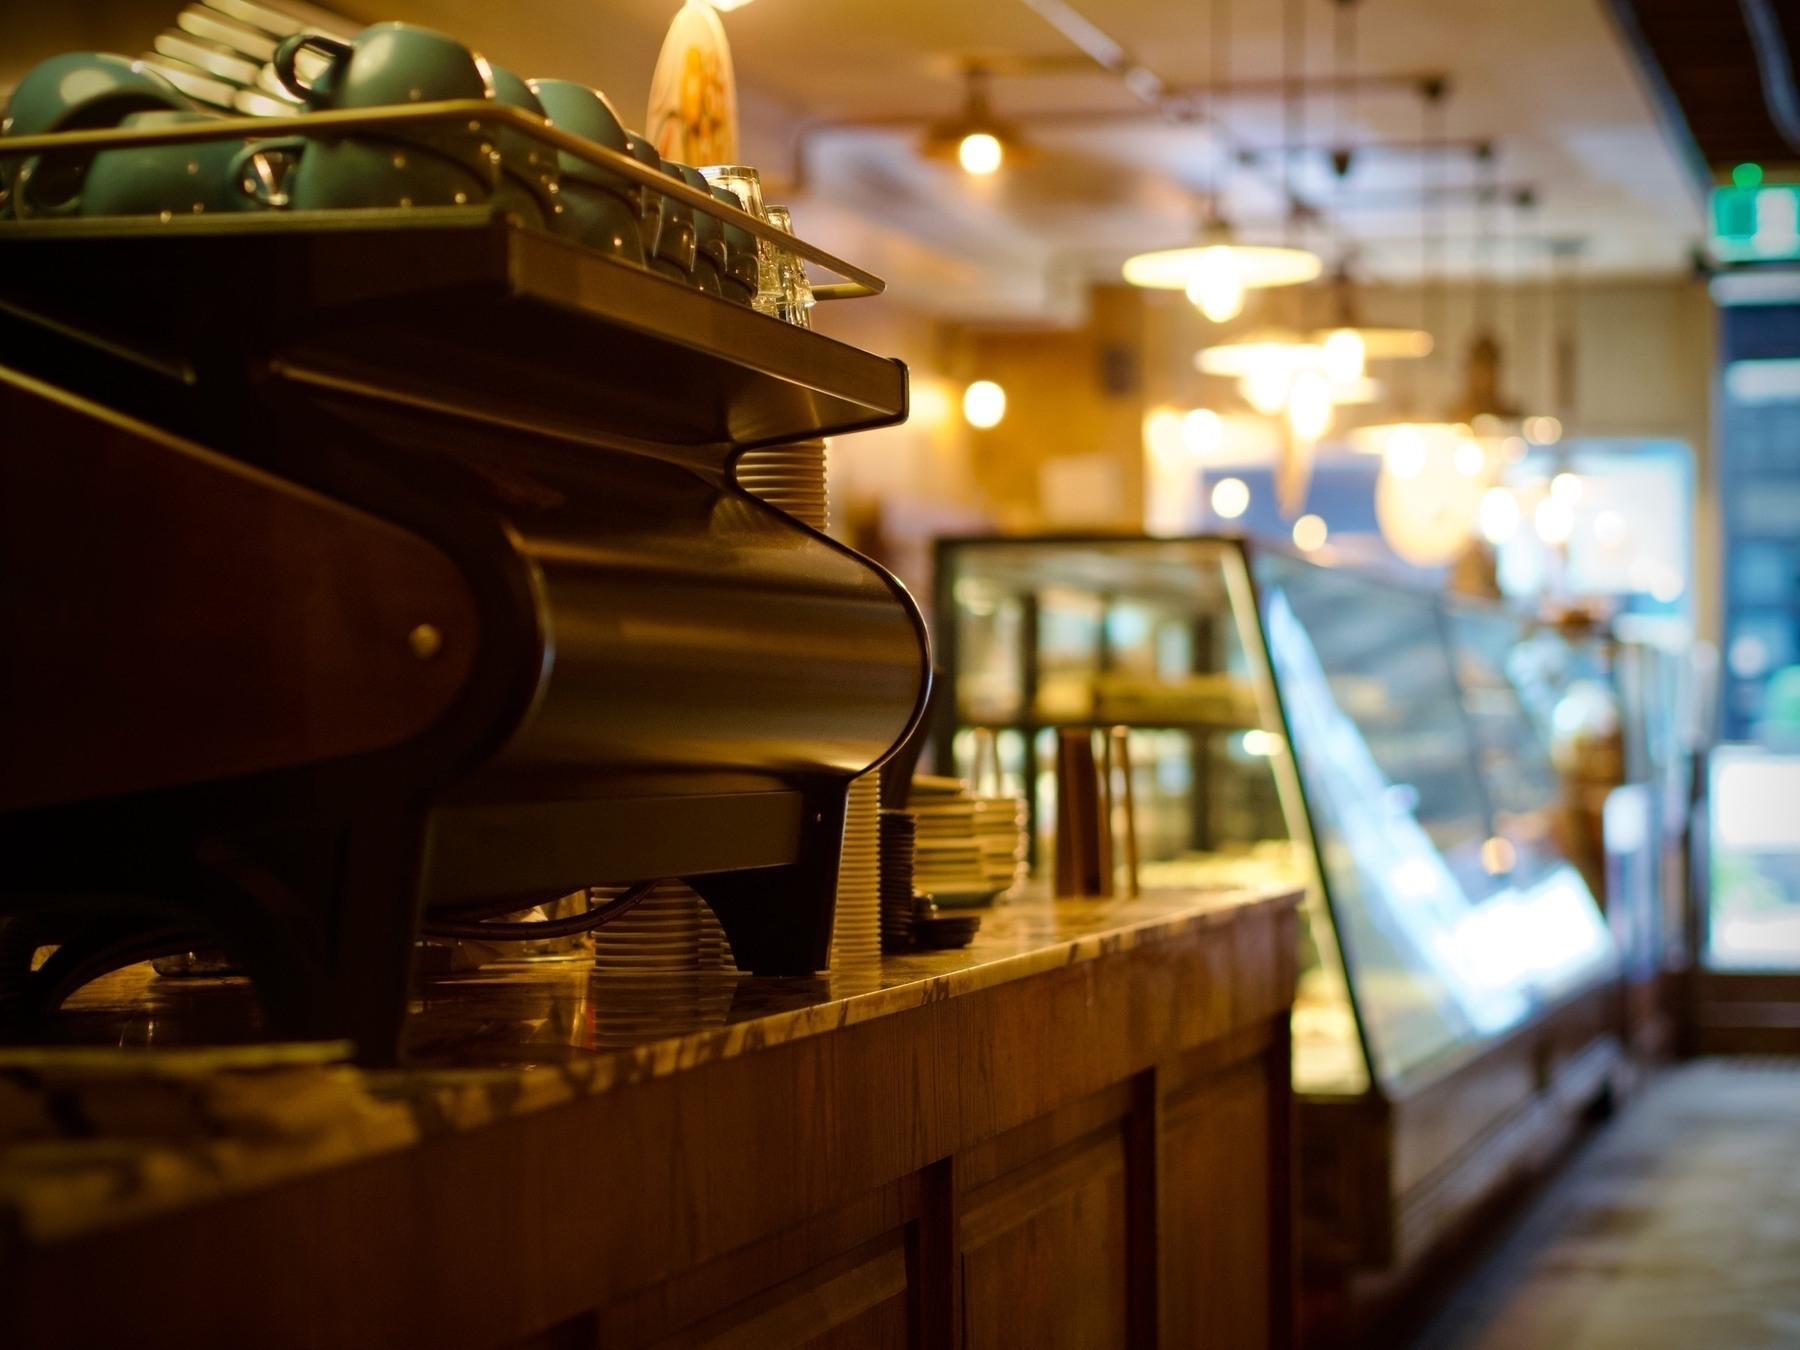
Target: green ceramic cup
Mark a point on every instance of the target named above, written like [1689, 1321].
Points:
[171, 180]
[709, 238]
[739, 274]
[601, 219]
[394, 64]
[388, 63]
[650, 223]
[370, 171]
[584, 112]
[73, 92]
[676, 241]
[530, 179]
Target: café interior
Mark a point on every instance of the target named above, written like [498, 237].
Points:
[875, 673]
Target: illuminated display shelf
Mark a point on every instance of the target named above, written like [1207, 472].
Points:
[1446, 941]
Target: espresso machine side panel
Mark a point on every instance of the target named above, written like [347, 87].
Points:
[756, 648]
[171, 616]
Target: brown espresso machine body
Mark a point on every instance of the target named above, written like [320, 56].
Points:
[422, 591]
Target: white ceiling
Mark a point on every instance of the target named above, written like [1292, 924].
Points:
[1546, 80]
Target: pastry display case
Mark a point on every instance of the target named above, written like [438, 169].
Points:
[1291, 718]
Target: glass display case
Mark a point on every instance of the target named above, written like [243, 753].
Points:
[1293, 719]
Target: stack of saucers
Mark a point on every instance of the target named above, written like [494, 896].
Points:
[715, 947]
[660, 934]
[790, 478]
[898, 834]
[1000, 834]
[947, 860]
[856, 930]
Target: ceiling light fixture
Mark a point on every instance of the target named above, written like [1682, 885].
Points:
[975, 139]
[1217, 271]
[1350, 344]
[984, 405]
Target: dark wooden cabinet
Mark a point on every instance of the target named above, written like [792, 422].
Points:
[1093, 1151]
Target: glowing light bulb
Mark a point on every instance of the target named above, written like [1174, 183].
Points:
[1543, 430]
[984, 404]
[1217, 285]
[1309, 404]
[1471, 459]
[1499, 515]
[1202, 432]
[1555, 520]
[1265, 388]
[1310, 533]
[1346, 356]
[1162, 433]
[1230, 498]
[1566, 488]
[980, 154]
[1405, 453]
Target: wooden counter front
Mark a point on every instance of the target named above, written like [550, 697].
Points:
[1077, 1132]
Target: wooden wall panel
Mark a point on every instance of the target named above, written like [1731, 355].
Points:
[1216, 1225]
[1044, 1252]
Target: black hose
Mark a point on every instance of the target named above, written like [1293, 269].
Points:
[595, 917]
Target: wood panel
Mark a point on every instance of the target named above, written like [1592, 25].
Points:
[1744, 1014]
[173, 616]
[1216, 1223]
[1044, 1251]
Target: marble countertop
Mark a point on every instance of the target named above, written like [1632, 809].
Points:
[150, 1112]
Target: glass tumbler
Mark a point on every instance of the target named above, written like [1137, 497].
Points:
[795, 301]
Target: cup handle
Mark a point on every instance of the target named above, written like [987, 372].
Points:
[289, 51]
[248, 173]
[22, 205]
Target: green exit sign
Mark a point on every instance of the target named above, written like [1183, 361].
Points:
[1755, 224]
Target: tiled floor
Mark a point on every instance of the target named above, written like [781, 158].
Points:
[1676, 1228]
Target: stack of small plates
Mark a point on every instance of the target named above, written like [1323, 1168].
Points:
[897, 838]
[660, 934]
[1000, 833]
[715, 947]
[947, 859]
[790, 478]
[856, 930]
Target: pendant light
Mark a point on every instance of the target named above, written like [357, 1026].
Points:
[976, 139]
[1348, 344]
[1217, 271]
[1434, 474]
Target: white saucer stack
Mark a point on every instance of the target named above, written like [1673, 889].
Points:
[947, 854]
[660, 935]
[790, 478]
[1000, 832]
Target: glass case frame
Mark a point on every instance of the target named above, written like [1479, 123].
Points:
[1509, 929]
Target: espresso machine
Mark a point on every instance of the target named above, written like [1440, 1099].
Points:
[366, 570]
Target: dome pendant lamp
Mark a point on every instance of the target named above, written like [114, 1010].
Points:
[976, 139]
[1217, 271]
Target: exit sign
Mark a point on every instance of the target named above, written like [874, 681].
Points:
[1755, 224]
